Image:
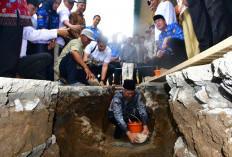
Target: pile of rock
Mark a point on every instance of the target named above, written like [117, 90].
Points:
[201, 105]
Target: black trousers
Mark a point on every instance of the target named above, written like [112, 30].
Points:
[211, 21]
[10, 46]
[31, 48]
[117, 73]
[72, 75]
[179, 56]
[96, 70]
[30, 66]
[142, 71]
[68, 70]
[149, 71]
[229, 6]
[47, 72]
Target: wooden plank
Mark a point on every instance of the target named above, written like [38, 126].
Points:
[206, 57]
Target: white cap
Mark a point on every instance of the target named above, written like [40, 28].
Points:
[88, 33]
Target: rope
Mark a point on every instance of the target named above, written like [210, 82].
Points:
[137, 67]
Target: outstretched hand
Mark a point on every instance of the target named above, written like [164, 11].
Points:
[146, 131]
[89, 74]
[102, 83]
[63, 32]
[132, 136]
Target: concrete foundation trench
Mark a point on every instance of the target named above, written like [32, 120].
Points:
[42, 119]
[82, 127]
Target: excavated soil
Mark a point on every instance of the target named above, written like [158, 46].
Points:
[84, 130]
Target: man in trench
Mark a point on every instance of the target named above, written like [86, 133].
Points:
[125, 103]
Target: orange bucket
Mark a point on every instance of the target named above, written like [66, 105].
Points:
[135, 127]
[157, 72]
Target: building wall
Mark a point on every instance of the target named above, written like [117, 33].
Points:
[145, 18]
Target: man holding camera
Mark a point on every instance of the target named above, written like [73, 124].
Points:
[98, 55]
[77, 18]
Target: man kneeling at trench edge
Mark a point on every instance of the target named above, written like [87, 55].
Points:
[125, 103]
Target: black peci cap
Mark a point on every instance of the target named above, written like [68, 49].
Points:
[156, 17]
[129, 84]
[36, 3]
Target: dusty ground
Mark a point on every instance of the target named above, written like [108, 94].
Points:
[78, 136]
[160, 146]
[82, 127]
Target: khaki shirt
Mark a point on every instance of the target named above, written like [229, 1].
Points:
[76, 18]
[73, 45]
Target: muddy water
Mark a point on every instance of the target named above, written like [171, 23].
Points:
[84, 130]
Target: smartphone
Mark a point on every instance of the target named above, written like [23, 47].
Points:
[148, 3]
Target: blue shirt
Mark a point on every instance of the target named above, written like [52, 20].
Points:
[129, 54]
[115, 49]
[44, 21]
[174, 31]
[97, 32]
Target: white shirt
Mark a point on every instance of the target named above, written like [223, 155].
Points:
[35, 25]
[34, 21]
[167, 10]
[99, 56]
[31, 34]
[151, 48]
[64, 14]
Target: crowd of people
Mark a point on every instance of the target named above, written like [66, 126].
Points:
[41, 40]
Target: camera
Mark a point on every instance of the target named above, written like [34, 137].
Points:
[148, 3]
[82, 26]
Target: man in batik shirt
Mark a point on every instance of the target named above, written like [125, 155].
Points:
[124, 104]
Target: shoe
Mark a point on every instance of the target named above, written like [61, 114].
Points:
[60, 83]
[117, 132]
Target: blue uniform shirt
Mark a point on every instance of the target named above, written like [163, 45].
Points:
[115, 49]
[43, 20]
[174, 31]
[97, 32]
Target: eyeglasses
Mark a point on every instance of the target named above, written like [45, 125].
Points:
[158, 20]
